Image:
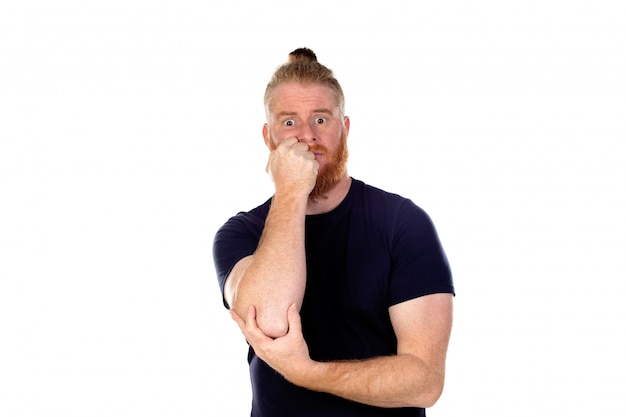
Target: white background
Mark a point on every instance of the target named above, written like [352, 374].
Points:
[131, 130]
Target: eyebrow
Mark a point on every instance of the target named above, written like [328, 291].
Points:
[325, 111]
[285, 113]
[292, 113]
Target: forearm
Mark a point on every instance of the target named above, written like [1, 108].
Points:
[390, 381]
[276, 274]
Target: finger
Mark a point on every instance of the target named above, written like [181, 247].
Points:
[251, 317]
[238, 319]
[251, 325]
[289, 142]
[251, 328]
[300, 147]
[309, 155]
[293, 318]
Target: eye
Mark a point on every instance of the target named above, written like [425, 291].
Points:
[289, 123]
[320, 120]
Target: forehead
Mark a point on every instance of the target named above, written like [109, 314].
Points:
[296, 97]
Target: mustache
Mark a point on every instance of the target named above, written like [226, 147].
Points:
[319, 149]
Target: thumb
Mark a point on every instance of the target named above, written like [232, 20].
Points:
[293, 318]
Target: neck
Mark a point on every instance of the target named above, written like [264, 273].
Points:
[331, 200]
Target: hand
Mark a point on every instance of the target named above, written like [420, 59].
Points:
[292, 167]
[288, 354]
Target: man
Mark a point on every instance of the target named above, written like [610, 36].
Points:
[342, 290]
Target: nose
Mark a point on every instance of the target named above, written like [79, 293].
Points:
[306, 133]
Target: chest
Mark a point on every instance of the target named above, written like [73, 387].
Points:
[348, 267]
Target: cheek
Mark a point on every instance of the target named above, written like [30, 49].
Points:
[278, 134]
[276, 139]
[332, 136]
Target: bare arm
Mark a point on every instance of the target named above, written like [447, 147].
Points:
[412, 378]
[274, 277]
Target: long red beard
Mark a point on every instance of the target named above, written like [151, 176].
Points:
[330, 174]
[335, 169]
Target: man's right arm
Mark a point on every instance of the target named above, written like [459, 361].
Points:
[274, 277]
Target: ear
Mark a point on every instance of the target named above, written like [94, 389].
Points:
[266, 135]
[346, 123]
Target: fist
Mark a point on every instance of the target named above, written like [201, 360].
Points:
[292, 167]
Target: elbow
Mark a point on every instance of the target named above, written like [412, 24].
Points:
[431, 395]
[273, 321]
[273, 327]
[431, 398]
[270, 324]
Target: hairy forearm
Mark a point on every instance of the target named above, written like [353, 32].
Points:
[276, 275]
[390, 381]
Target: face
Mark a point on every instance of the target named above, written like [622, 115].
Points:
[310, 114]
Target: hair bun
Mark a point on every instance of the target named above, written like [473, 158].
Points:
[302, 54]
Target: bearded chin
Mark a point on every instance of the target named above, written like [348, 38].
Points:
[330, 175]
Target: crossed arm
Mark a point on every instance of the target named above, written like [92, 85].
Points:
[414, 377]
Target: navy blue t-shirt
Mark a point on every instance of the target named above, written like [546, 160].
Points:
[374, 250]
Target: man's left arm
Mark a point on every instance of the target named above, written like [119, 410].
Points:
[414, 377]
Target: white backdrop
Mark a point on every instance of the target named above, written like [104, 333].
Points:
[131, 130]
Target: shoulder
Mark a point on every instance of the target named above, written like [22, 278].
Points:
[251, 221]
[237, 238]
[398, 217]
[382, 202]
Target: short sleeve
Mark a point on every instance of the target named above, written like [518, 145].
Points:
[419, 263]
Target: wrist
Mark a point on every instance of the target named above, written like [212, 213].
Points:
[312, 375]
[293, 200]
